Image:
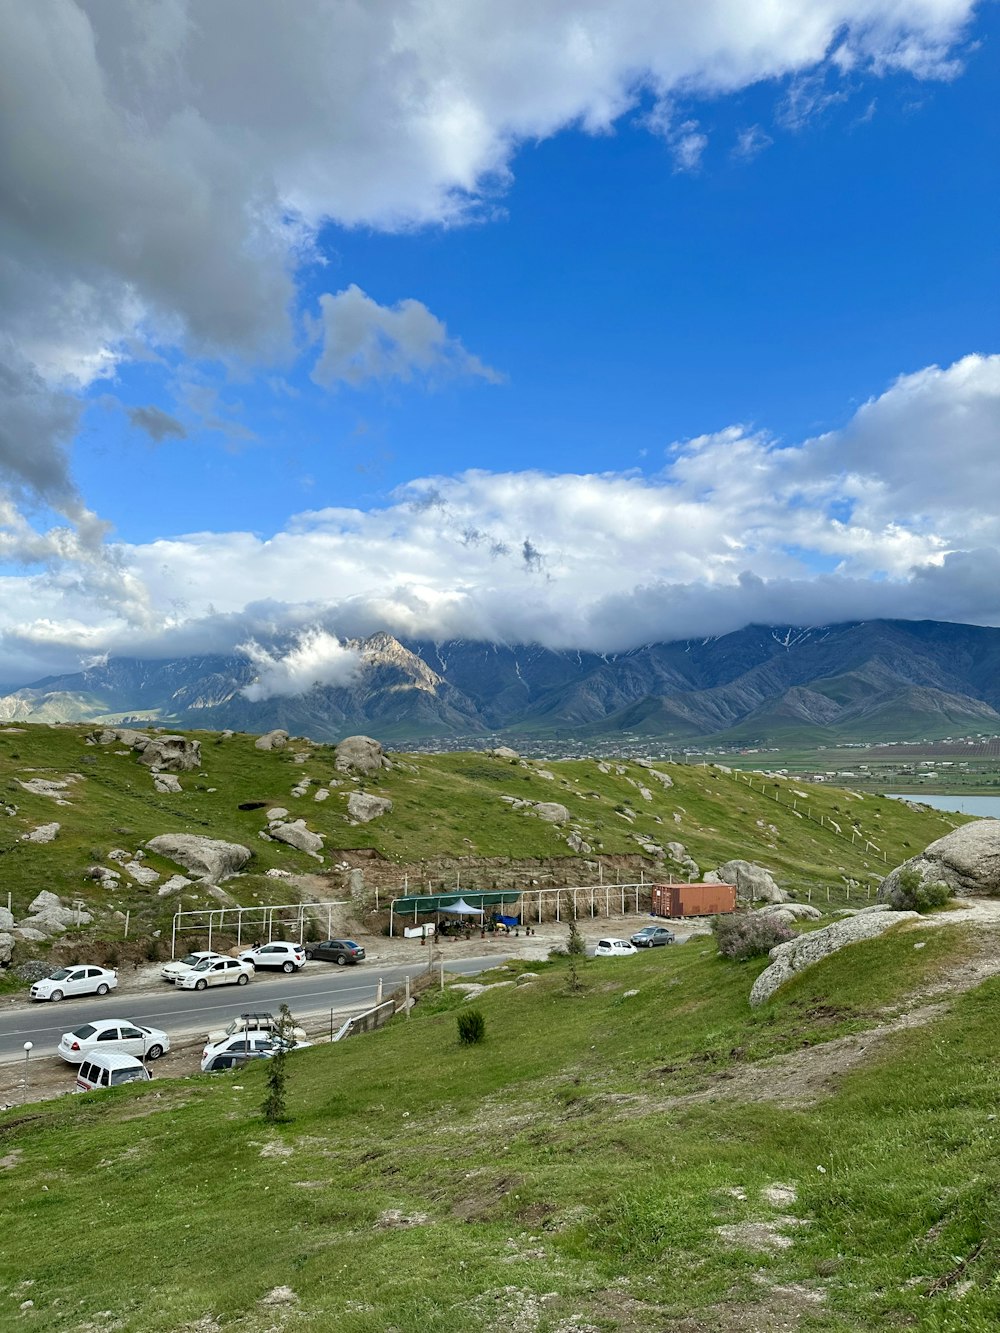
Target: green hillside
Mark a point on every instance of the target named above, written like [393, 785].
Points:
[443, 806]
[612, 1157]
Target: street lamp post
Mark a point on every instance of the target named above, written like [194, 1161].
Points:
[27, 1057]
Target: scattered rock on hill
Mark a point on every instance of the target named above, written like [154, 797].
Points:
[752, 881]
[297, 835]
[364, 808]
[54, 788]
[576, 844]
[272, 740]
[170, 752]
[207, 858]
[792, 911]
[503, 752]
[788, 959]
[7, 943]
[44, 833]
[49, 914]
[6, 919]
[967, 860]
[551, 811]
[360, 754]
[166, 784]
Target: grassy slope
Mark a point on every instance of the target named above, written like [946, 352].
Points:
[443, 805]
[553, 1179]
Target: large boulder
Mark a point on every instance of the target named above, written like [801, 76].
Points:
[503, 752]
[297, 835]
[551, 811]
[753, 882]
[6, 919]
[792, 911]
[49, 915]
[207, 858]
[360, 754]
[272, 740]
[174, 753]
[788, 959]
[7, 942]
[967, 860]
[365, 808]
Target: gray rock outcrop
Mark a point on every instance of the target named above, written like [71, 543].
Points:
[551, 811]
[753, 882]
[51, 916]
[6, 919]
[967, 860]
[297, 835]
[207, 858]
[166, 784]
[791, 911]
[503, 752]
[365, 808]
[272, 740]
[44, 833]
[360, 754]
[175, 753]
[7, 943]
[788, 959]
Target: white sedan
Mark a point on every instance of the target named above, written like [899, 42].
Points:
[215, 972]
[80, 979]
[614, 948]
[113, 1034]
[171, 971]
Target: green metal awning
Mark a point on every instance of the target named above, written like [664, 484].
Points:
[415, 903]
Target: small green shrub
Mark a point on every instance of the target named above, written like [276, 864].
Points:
[576, 945]
[743, 935]
[471, 1027]
[912, 894]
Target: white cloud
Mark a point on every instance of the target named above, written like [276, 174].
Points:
[884, 517]
[316, 658]
[363, 341]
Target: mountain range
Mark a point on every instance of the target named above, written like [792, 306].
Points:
[882, 679]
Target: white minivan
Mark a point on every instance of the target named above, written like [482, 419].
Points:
[109, 1069]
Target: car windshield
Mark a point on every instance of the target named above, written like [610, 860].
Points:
[126, 1075]
[190, 959]
[86, 1031]
[203, 965]
[60, 974]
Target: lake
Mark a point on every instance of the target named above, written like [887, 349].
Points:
[986, 807]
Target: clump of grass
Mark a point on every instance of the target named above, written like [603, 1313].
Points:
[471, 1027]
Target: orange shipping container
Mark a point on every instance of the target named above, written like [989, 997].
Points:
[676, 900]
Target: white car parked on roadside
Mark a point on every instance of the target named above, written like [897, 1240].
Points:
[171, 971]
[113, 1034]
[614, 948]
[279, 953]
[215, 972]
[81, 979]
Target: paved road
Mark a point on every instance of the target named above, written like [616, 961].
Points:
[317, 989]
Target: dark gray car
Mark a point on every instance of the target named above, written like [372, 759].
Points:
[650, 936]
[335, 951]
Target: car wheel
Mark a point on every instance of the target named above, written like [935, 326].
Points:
[200, 984]
[309, 955]
[56, 995]
[102, 988]
[288, 966]
[242, 979]
[341, 961]
[154, 1052]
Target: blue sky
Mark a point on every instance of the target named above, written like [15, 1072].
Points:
[592, 325]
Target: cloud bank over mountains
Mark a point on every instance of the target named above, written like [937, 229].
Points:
[167, 169]
[884, 518]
